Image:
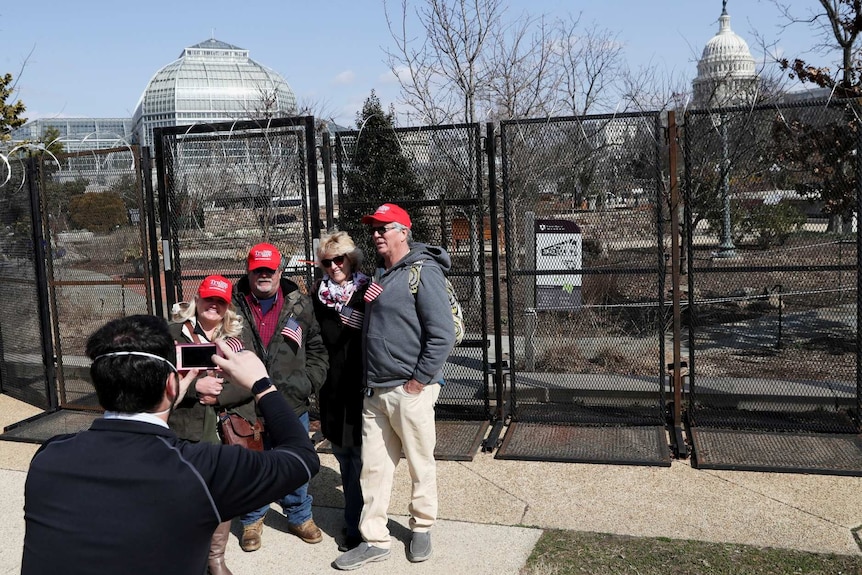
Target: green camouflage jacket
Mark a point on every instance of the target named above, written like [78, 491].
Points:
[297, 371]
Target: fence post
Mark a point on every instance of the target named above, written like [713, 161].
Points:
[530, 319]
[39, 266]
[858, 273]
[499, 412]
[152, 236]
[679, 441]
[164, 213]
[326, 157]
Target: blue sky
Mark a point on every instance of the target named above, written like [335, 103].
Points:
[95, 57]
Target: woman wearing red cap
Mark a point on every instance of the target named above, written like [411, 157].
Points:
[210, 316]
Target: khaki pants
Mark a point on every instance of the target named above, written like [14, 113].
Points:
[394, 420]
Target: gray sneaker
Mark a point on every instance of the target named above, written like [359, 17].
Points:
[359, 556]
[420, 546]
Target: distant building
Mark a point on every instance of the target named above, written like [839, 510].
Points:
[211, 82]
[78, 134]
[725, 72]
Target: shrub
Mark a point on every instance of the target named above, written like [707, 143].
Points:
[770, 224]
[97, 212]
[601, 289]
[773, 224]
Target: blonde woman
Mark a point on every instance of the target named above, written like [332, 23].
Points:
[208, 317]
[339, 308]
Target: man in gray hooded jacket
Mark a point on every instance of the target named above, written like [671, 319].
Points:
[409, 333]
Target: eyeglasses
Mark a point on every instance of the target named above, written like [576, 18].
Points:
[261, 271]
[337, 260]
[382, 229]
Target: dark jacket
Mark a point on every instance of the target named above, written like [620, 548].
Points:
[298, 372]
[131, 497]
[189, 416]
[410, 335]
[341, 396]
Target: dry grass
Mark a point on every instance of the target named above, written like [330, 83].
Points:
[572, 552]
[607, 359]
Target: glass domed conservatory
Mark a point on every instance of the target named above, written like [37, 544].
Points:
[211, 82]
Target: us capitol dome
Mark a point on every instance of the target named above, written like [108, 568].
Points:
[210, 82]
[725, 72]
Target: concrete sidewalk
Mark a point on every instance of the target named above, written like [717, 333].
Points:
[492, 511]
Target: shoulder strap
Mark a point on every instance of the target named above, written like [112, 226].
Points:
[414, 276]
[195, 337]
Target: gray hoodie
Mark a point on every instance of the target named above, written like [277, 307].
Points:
[406, 335]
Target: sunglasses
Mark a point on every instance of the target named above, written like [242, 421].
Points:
[337, 260]
[382, 229]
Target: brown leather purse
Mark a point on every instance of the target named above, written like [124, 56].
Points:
[233, 428]
[237, 430]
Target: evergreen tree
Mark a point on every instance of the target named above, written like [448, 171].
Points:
[379, 172]
[10, 114]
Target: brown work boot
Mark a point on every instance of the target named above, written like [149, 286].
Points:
[218, 544]
[308, 531]
[251, 535]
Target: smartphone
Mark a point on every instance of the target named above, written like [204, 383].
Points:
[196, 356]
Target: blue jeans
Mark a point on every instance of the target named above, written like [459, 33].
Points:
[350, 463]
[295, 505]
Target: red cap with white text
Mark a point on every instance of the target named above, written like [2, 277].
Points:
[264, 256]
[216, 286]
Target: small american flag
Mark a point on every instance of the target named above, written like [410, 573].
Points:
[234, 343]
[351, 317]
[374, 290]
[292, 330]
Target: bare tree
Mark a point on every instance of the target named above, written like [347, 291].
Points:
[837, 25]
[523, 78]
[590, 65]
[468, 62]
[442, 71]
[320, 108]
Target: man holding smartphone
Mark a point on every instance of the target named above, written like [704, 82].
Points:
[286, 336]
[127, 495]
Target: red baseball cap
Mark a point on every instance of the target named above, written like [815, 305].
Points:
[264, 256]
[216, 286]
[388, 213]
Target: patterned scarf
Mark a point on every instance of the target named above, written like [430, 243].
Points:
[335, 295]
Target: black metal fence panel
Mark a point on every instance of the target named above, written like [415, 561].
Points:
[95, 223]
[770, 255]
[225, 187]
[585, 269]
[26, 364]
[771, 237]
[436, 174]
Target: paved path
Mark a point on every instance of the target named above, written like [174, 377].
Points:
[493, 511]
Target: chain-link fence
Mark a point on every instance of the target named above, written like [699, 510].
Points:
[226, 187]
[435, 173]
[26, 355]
[770, 255]
[771, 200]
[95, 223]
[585, 268]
